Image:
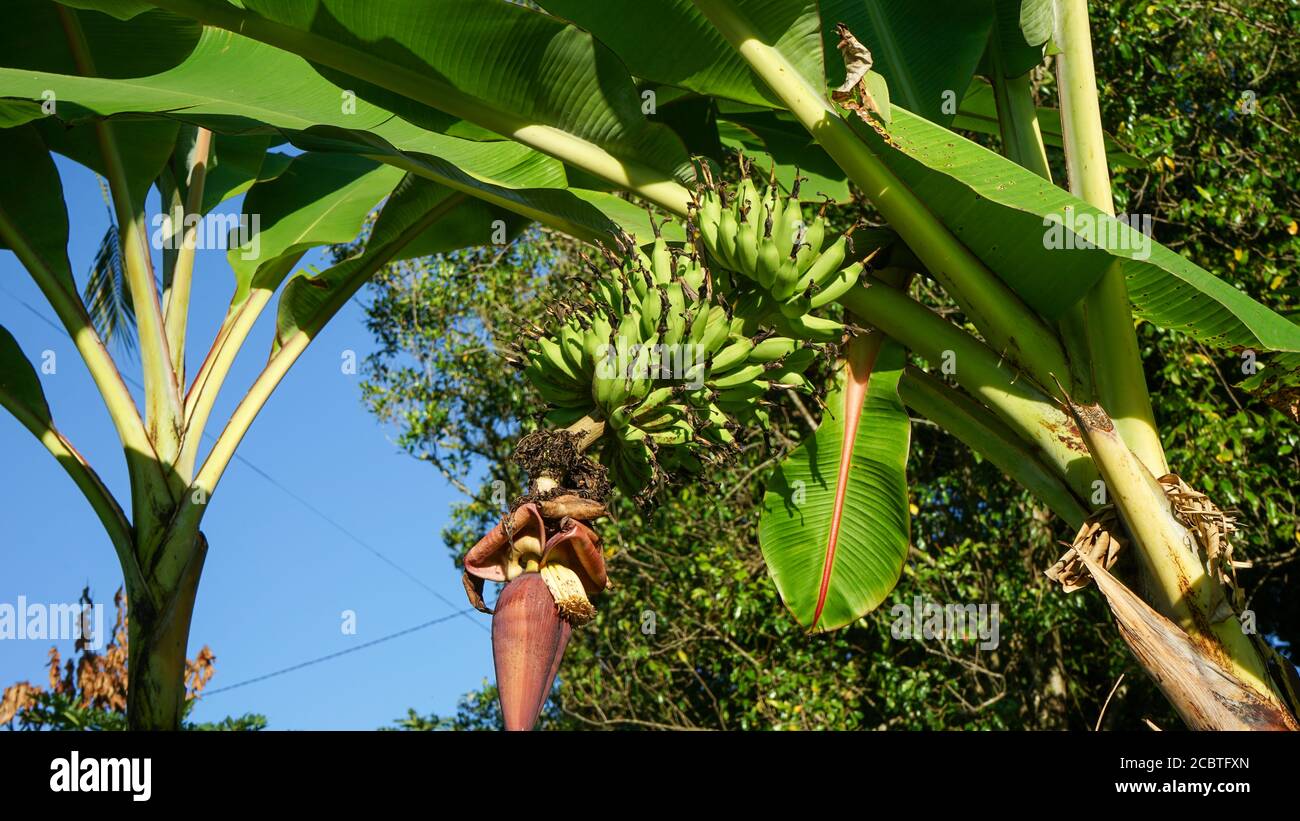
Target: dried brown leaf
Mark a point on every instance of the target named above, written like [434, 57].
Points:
[1207, 696]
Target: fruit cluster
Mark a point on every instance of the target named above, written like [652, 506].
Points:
[652, 349]
[789, 262]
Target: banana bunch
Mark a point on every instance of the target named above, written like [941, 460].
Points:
[790, 263]
[671, 370]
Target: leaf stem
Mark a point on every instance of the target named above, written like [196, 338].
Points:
[176, 315]
[973, 424]
[1100, 327]
[1000, 315]
[203, 393]
[290, 349]
[1009, 393]
[72, 313]
[1022, 138]
[162, 395]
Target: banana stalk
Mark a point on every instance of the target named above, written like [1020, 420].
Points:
[978, 428]
[1173, 574]
[1002, 317]
[1099, 330]
[997, 384]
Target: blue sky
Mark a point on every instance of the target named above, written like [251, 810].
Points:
[278, 576]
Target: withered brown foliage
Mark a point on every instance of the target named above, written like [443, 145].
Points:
[98, 680]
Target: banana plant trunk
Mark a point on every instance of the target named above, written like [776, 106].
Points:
[158, 638]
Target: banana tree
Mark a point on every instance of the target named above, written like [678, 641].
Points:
[543, 114]
[292, 202]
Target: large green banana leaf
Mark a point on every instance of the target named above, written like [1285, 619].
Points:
[320, 199]
[499, 66]
[31, 201]
[20, 388]
[34, 38]
[1000, 210]
[835, 525]
[232, 84]
[236, 85]
[415, 212]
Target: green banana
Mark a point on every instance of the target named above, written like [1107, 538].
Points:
[773, 348]
[740, 376]
[732, 355]
[838, 286]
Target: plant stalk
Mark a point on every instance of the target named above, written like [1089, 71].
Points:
[157, 641]
[176, 315]
[979, 429]
[1101, 326]
[1176, 581]
[1000, 315]
[1029, 411]
[590, 429]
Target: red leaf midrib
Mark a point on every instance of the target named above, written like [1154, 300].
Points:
[859, 360]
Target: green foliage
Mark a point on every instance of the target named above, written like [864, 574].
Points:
[65, 711]
[246, 722]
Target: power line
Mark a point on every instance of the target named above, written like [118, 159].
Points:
[332, 656]
[42, 317]
[281, 486]
[325, 517]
